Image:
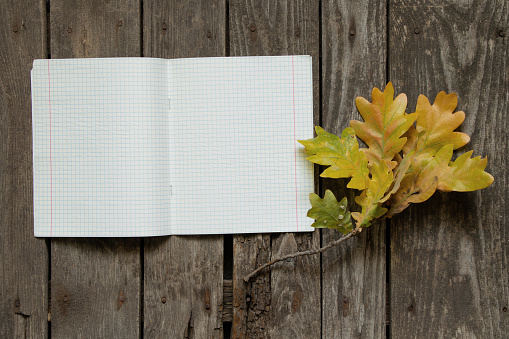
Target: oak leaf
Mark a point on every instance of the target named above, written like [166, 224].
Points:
[407, 159]
[371, 199]
[329, 213]
[342, 155]
[462, 175]
[436, 124]
[385, 124]
[414, 188]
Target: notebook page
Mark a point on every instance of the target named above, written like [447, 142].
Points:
[236, 166]
[100, 141]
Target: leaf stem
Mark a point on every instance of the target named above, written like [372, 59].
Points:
[299, 254]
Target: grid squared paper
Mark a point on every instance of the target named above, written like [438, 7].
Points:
[236, 165]
[143, 147]
[100, 143]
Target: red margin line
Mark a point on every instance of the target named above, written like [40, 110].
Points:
[50, 164]
[295, 150]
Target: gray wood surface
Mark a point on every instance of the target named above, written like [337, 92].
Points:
[450, 254]
[284, 301]
[95, 29]
[23, 258]
[353, 62]
[95, 283]
[448, 257]
[183, 286]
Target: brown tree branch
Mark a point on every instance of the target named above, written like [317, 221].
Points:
[299, 254]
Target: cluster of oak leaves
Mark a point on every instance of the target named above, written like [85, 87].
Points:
[407, 159]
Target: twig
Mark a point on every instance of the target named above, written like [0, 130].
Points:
[299, 254]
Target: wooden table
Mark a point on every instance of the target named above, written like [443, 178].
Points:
[436, 270]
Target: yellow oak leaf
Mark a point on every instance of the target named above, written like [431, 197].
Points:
[385, 123]
[436, 123]
[416, 187]
[400, 173]
[370, 199]
[411, 194]
[462, 175]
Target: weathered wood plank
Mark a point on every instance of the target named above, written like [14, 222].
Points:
[353, 62]
[95, 288]
[183, 291]
[184, 29]
[450, 255]
[24, 259]
[83, 29]
[183, 287]
[95, 285]
[282, 302]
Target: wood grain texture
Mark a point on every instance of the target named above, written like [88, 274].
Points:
[183, 287]
[95, 288]
[449, 256]
[95, 282]
[96, 29]
[184, 29]
[284, 301]
[183, 271]
[353, 62]
[24, 258]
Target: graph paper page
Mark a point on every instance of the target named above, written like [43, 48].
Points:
[236, 166]
[100, 143]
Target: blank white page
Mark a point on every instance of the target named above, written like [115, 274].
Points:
[236, 165]
[100, 143]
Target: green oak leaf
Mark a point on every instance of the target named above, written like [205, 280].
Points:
[341, 154]
[329, 213]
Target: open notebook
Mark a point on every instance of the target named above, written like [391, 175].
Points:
[127, 147]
